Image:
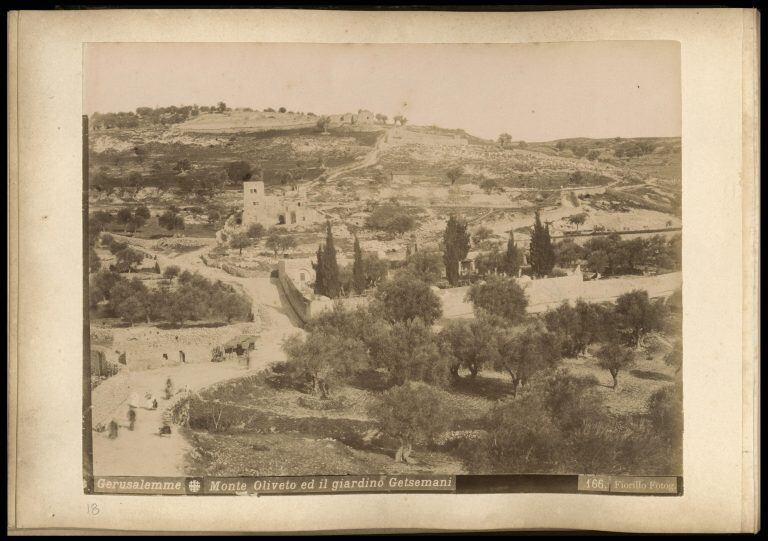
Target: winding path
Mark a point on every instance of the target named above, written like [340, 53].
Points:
[142, 451]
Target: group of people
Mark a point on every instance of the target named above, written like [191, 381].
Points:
[149, 403]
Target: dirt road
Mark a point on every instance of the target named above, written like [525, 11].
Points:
[368, 160]
[142, 451]
[278, 320]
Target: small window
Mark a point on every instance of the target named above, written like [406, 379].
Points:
[302, 277]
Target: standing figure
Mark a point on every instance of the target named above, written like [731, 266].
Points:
[131, 417]
[182, 357]
[112, 429]
[168, 389]
[165, 427]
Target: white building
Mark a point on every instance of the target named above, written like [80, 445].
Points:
[287, 208]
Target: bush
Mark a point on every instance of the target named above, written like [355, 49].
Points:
[665, 412]
[171, 220]
[171, 272]
[255, 231]
[522, 438]
[391, 218]
[426, 265]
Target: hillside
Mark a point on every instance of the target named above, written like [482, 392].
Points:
[174, 158]
[245, 121]
[201, 161]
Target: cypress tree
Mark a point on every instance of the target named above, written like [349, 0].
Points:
[330, 266]
[319, 272]
[456, 241]
[358, 272]
[513, 257]
[534, 256]
[548, 252]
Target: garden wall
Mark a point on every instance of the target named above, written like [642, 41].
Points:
[306, 307]
[547, 293]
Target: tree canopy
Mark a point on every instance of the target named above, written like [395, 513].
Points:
[501, 297]
[407, 298]
[412, 413]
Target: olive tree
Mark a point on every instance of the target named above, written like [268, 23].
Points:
[408, 351]
[412, 413]
[406, 298]
[469, 344]
[240, 241]
[324, 359]
[501, 297]
[523, 352]
[614, 357]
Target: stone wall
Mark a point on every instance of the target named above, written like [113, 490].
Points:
[304, 303]
[547, 293]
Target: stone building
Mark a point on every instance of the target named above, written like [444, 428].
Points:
[287, 208]
[364, 116]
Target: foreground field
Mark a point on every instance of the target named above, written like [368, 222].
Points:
[272, 429]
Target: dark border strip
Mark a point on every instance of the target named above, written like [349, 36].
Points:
[464, 484]
[87, 422]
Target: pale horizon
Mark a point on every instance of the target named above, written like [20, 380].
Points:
[534, 92]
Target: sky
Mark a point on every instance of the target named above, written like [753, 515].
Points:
[534, 92]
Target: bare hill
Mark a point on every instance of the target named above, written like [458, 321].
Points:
[246, 121]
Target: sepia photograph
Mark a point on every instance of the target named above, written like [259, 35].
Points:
[384, 271]
[310, 259]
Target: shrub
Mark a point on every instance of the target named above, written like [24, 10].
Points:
[426, 265]
[665, 412]
[391, 218]
[171, 272]
[255, 231]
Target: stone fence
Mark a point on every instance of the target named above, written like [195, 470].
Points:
[546, 293]
[542, 294]
[306, 305]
